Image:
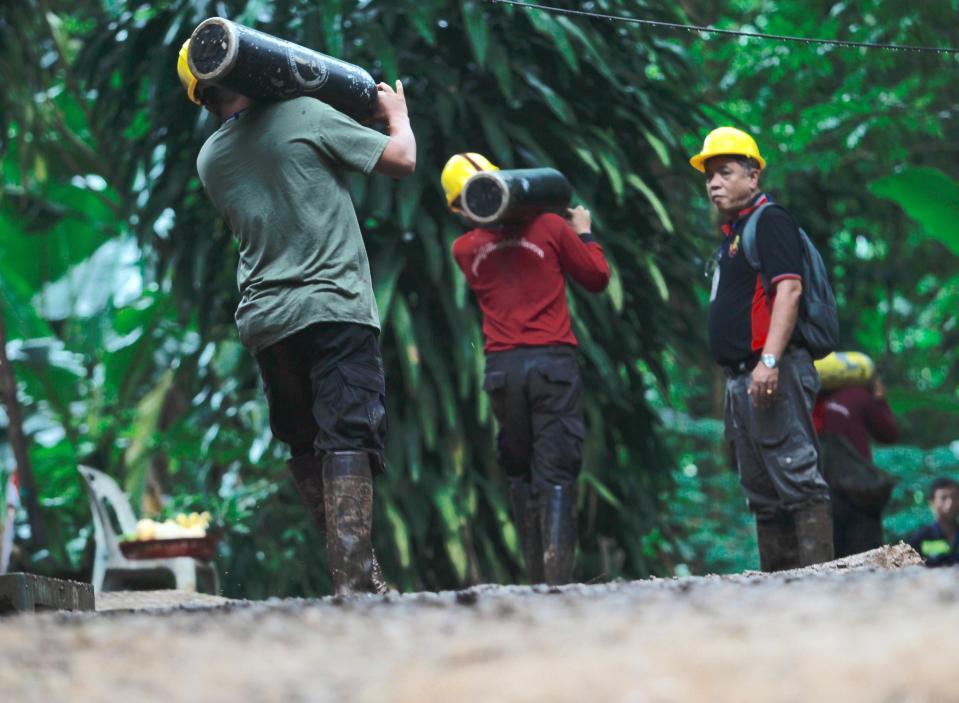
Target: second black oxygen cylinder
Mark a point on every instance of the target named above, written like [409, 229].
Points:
[496, 197]
[259, 65]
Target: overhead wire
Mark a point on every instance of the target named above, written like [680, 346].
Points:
[730, 32]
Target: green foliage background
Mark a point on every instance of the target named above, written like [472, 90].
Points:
[118, 284]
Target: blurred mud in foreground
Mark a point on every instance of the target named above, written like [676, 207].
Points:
[861, 629]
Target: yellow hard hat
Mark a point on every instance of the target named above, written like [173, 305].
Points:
[458, 170]
[186, 75]
[727, 141]
[845, 368]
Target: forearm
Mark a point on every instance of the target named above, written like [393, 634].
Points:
[401, 132]
[591, 271]
[582, 257]
[783, 318]
[399, 157]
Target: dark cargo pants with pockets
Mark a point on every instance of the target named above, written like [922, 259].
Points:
[327, 391]
[776, 447]
[536, 396]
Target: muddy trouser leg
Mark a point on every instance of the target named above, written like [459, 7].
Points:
[777, 455]
[286, 380]
[775, 530]
[349, 408]
[555, 392]
[505, 382]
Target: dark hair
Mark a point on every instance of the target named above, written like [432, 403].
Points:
[941, 483]
[215, 98]
[209, 95]
[749, 164]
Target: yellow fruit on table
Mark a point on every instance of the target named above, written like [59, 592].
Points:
[183, 525]
[145, 529]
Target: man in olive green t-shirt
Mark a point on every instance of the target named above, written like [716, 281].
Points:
[275, 171]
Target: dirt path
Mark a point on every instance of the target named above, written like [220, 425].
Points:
[882, 631]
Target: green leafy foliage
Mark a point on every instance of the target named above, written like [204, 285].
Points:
[159, 393]
[928, 196]
[118, 278]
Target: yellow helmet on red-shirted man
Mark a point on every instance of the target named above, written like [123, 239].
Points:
[458, 170]
[727, 141]
[186, 75]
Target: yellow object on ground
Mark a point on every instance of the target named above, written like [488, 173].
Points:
[186, 75]
[727, 141]
[458, 170]
[842, 369]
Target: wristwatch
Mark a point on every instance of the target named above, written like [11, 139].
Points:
[769, 361]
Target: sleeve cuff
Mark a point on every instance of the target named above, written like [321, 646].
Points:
[786, 277]
[587, 237]
[376, 155]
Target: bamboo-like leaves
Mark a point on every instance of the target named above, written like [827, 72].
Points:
[476, 29]
[525, 88]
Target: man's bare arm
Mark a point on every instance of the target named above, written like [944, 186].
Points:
[785, 312]
[783, 318]
[399, 158]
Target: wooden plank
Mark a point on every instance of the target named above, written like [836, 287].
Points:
[29, 593]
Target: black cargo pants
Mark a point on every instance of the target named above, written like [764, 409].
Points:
[326, 390]
[776, 447]
[536, 396]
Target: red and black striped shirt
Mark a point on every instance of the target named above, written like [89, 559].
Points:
[739, 309]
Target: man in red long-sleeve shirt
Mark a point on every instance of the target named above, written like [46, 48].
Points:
[517, 272]
[855, 414]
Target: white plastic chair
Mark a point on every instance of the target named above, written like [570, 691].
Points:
[111, 570]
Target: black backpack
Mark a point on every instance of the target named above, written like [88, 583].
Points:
[846, 471]
[818, 321]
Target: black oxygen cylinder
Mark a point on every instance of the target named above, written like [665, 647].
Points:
[495, 197]
[262, 66]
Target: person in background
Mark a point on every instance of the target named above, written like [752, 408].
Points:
[853, 415]
[938, 543]
[771, 382]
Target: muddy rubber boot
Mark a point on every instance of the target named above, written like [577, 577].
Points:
[557, 506]
[307, 473]
[814, 533]
[308, 476]
[348, 490]
[778, 546]
[525, 509]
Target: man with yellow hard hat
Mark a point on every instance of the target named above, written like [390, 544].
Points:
[532, 373]
[276, 171]
[771, 382]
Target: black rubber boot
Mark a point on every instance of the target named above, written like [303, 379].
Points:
[814, 533]
[525, 509]
[557, 506]
[308, 476]
[307, 473]
[778, 546]
[348, 490]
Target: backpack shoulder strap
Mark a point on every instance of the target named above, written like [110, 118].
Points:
[750, 248]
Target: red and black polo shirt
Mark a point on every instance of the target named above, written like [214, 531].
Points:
[739, 310]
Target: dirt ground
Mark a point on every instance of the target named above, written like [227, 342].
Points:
[876, 628]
